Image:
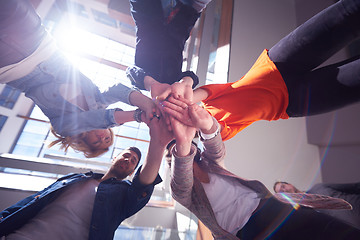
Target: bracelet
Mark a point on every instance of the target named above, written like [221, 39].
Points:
[137, 115]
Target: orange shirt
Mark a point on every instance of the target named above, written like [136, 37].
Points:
[259, 95]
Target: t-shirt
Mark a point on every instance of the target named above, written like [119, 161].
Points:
[259, 95]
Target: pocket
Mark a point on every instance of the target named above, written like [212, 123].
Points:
[58, 67]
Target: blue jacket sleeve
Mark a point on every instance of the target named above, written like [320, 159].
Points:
[139, 194]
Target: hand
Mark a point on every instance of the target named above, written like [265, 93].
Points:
[151, 110]
[146, 104]
[160, 91]
[183, 135]
[183, 88]
[188, 113]
[158, 133]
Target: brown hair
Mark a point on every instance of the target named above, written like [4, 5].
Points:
[137, 151]
[78, 143]
[278, 182]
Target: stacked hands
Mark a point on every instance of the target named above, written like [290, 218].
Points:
[173, 106]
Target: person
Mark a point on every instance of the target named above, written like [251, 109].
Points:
[31, 62]
[232, 207]
[350, 192]
[162, 28]
[90, 205]
[285, 81]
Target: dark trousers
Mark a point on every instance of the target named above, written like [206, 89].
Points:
[160, 41]
[21, 31]
[276, 220]
[313, 91]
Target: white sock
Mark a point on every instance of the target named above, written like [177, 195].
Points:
[198, 5]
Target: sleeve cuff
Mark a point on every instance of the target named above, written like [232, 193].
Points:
[192, 152]
[208, 136]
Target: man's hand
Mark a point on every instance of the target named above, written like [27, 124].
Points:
[187, 113]
[160, 91]
[183, 88]
[158, 132]
[160, 137]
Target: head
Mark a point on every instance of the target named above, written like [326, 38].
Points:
[167, 153]
[125, 163]
[92, 143]
[285, 187]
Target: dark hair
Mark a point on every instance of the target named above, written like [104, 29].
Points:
[137, 151]
[277, 183]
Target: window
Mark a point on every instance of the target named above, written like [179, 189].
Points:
[104, 18]
[9, 96]
[2, 121]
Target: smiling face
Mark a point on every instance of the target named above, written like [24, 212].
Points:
[99, 138]
[124, 164]
[285, 187]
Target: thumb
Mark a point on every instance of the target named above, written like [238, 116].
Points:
[163, 95]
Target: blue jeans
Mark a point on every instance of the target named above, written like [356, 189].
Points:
[315, 90]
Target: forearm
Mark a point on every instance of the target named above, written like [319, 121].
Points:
[182, 149]
[148, 82]
[122, 117]
[213, 144]
[182, 176]
[200, 95]
[152, 163]
[138, 99]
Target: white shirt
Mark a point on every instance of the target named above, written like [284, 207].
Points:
[67, 217]
[232, 203]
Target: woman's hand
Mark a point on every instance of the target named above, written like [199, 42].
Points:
[146, 104]
[187, 113]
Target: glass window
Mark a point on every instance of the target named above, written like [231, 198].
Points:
[104, 18]
[2, 121]
[9, 96]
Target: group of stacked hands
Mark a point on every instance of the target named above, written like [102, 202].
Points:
[278, 86]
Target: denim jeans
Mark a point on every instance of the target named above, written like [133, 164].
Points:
[315, 90]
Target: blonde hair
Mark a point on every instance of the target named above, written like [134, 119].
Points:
[78, 143]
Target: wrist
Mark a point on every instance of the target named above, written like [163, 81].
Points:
[188, 81]
[121, 116]
[148, 82]
[182, 149]
[137, 115]
[211, 132]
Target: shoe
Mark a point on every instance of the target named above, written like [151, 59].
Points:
[136, 75]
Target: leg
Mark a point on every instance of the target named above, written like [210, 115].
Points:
[21, 31]
[307, 47]
[325, 89]
[276, 220]
[318, 38]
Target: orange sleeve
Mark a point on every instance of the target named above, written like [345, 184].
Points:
[260, 95]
